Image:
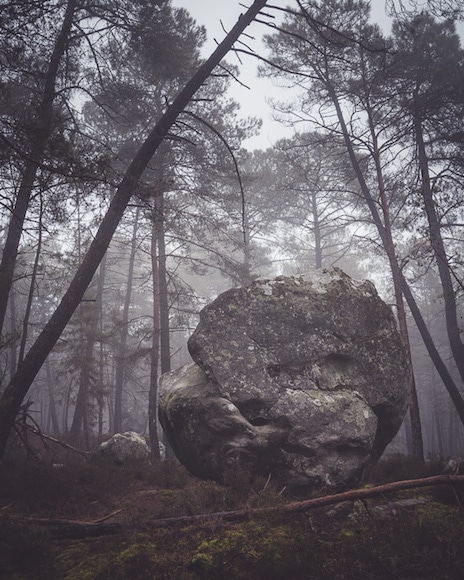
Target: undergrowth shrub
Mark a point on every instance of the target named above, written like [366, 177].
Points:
[419, 542]
[252, 550]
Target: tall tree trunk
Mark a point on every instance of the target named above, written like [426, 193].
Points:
[416, 428]
[51, 398]
[165, 330]
[155, 348]
[81, 411]
[80, 417]
[163, 300]
[32, 285]
[13, 331]
[32, 161]
[16, 390]
[438, 246]
[119, 381]
[438, 424]
[100, 391]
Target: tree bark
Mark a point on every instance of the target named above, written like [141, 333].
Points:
[19, 385]
[155, 347]
[80, 417]
[51, 398]
[119, 382]
[165, 330]
[32, 286]
[100, 390]
[13, 331]
[81, 411]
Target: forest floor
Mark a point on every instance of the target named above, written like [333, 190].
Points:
[84, 520]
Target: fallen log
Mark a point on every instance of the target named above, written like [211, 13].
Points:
[74, 529]
[61, 530]
[305, 505]
[71, 529]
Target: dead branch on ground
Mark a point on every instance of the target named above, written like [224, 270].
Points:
[65, 529]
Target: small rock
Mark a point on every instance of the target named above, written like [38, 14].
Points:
[124, 447]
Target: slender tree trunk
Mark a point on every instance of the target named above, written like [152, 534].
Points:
[51, 398]
[435, 356]
[32, 162]
[16, 390]
[82, 401]
[67, 402]
[32, 286]
[100, 388]
[416, 428]
[155, 349]
[162, 330]
[13, 330]
[164, 325]
[81, 411]
[119, 382]
[246, 236]
[438, 246]
[100, 391]
[317, 232]
[165, 330]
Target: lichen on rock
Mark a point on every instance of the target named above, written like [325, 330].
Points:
[305, 379]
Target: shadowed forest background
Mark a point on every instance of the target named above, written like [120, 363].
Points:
[372, 181]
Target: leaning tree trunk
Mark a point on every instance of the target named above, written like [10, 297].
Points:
[416, 428]
[385, 234]
[16, 390]
[445, 376]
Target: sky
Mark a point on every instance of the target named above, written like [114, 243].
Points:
[216, 14]
[254, 101]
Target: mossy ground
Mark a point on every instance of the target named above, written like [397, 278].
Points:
[426, 541]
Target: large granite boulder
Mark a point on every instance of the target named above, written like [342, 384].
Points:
[303, 379]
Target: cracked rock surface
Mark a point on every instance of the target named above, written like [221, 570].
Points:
[305, 379]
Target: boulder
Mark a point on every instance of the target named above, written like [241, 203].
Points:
[305, 379]
[124, 447]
